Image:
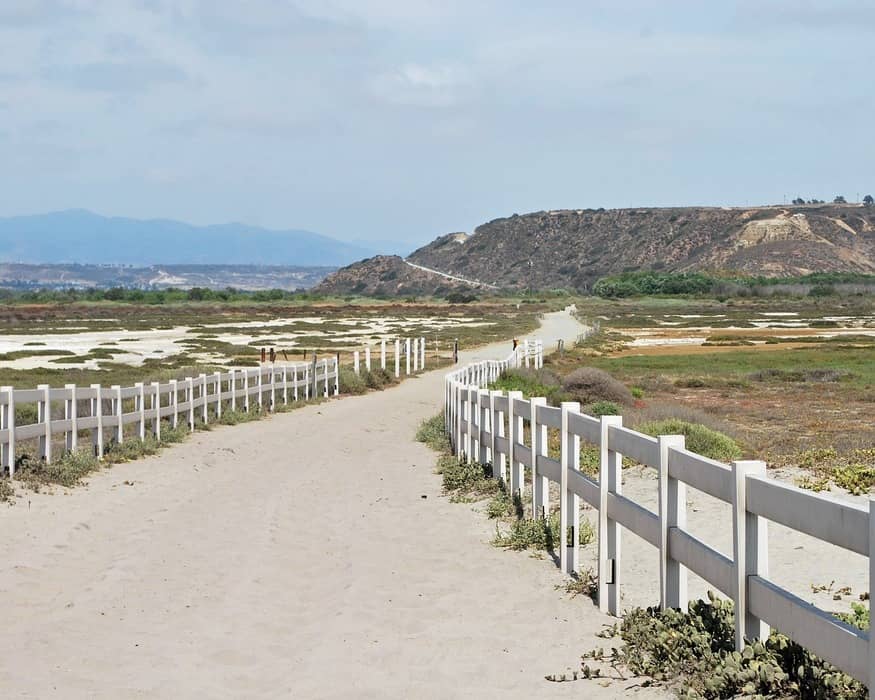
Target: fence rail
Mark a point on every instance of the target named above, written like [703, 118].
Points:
[489, 427]
[105, 411]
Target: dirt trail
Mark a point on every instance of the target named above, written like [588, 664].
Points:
[310, 555]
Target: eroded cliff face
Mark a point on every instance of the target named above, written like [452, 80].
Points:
[574, 248]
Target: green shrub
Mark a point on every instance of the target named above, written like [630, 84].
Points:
[603, 408]
[589, 385]
[468, 478]
[695, 652]
[532, 382]
[7, 492]
[351, 383]
[539, 534]
[699, 438]
[67, 470]
[433, 433]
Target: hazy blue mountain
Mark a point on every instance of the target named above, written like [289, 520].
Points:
[81, 236]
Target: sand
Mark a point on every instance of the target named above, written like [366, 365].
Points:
[310, 555]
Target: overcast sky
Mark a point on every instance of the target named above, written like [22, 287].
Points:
[404, 119]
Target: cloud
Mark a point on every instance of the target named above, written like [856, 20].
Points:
[118, 76]
[419, 85]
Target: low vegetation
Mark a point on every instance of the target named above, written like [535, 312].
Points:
[693, 653]
[699, 438]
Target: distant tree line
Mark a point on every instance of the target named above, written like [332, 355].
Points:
[649, 283]
[150, 296]
[868, 200]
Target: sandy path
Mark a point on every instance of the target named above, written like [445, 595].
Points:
[292, 557]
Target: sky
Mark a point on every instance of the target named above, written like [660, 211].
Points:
[397, 121]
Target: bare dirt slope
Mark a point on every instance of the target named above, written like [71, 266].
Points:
[310, 555]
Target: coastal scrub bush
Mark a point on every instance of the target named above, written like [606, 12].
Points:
[699, 438]
[589, 385]
[694, 653]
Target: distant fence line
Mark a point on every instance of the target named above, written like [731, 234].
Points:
[412, 349]
[489, 427]
[146, 405]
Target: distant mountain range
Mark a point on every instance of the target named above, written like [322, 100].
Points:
[80, 236]
[573, 248]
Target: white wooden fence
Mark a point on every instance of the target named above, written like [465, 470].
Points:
[145, 405]
[411, 350]
[489, 427]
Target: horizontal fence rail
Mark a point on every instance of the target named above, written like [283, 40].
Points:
[489, 427]
[102, 412]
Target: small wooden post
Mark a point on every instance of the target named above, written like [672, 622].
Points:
[672, 514]
[416, 354]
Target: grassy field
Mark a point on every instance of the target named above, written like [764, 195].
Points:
[791, 381]
[120, 343]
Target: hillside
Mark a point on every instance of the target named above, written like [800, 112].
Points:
[573, 248]
[386, 276]
[78, 236]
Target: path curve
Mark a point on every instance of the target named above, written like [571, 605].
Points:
[448, 276]
[310, 555]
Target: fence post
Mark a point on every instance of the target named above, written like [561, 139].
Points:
[672, 514]
[383, 354]
[750, 547]
[368, 357]
[272, 403]
[515, 424]
[97, 431]
[140, 400]
[469, 414]
[397, 358]
[218, 376]
[315, 378]
[174, 403]
[502, 433]
[871, 584]
[71, 408]
[355, 362]
[610, 482]
[232, 385]
[156, 404]
[422, 351]
[205, 408]
[44, 417]
[7, 422]
[540, 494]
[325, 367]
[483, 454]
[493, 433]
[260, 385]
[337, 375]
[189, 389]
[407, 354]
[295, 382]
[526, 352]
[569, 503]
[246, 390]
[306, 382]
